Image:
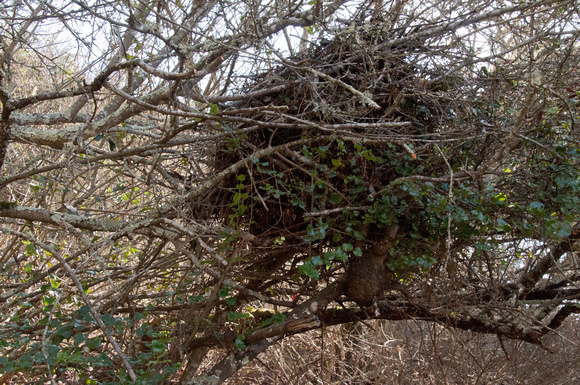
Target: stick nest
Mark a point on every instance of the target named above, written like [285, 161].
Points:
[367, 112]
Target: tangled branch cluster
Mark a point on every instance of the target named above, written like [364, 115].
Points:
[181, 202]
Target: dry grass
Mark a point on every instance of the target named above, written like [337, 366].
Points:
[415, 353]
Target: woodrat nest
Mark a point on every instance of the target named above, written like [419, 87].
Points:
[355, 113]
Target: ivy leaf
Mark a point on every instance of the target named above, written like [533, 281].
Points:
[317, 260]
[214, 109]
[535, 207]
[78, 339]
[158, 346]
[112, 145]
[564, 231]
[224, 292]
[85, 314]
[337, 163]
[309, 270]
[93, 343]
[503, 225]
[52, 352]
[234, 315]
[26, 361]
[278, 318]
[335, 198]
[239, 342]
[341, 255]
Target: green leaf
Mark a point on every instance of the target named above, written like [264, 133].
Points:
[503, 225]
[158, 346]
[308, 269]
[112, 145]
[564, 231]
[337, 163]
[52, 353]
[317, 260]
[78, 339]
[298, 202]
[557, 229]
[500, 198]
[278, 318]
[111, 321]
[482, 246]
[341, 255]
[30, 249]
[234, 315]
[214, 109]
[224, 292]
[93, 343]
[26, 361]
[335, 198]
[65, 331]
[103, 361]
[535, 207]
[239, 342]
[85, 314]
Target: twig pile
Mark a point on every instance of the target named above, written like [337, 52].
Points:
[356, 93]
